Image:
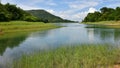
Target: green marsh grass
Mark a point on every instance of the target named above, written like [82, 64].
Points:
[81, 56]
[20, 26]
[103, 24]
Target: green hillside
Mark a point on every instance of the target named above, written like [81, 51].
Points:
[44, 15]
[10, 12]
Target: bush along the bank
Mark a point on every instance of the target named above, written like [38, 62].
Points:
[105, 14]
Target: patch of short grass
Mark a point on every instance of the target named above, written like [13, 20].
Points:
[81, 56]
[20, 26]
[104, 22]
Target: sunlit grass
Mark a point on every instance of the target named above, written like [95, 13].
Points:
[81, 56]
[18, 26]
[104, 22]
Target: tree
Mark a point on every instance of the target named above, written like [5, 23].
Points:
[106, 10]
[92, 17]
[4, 14]
[117, 14]
[16, 13]
[105, 14]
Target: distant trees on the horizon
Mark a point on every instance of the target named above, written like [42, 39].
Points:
[105, 14]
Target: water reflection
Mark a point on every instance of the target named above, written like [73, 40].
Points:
[7, 44]
[100, 35]
[10, 42]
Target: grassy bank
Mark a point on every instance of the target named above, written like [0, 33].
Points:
[83, 56]
[20, 26]
[104, 24]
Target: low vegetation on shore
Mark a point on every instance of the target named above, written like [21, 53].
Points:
[20, 26]
[103, 24]
[82, 56]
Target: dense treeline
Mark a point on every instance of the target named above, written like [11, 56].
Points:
[105, 14]
[10, 12]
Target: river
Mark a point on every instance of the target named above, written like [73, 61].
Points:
[69, 35]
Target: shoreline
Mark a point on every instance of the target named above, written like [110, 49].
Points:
[116, 23]
[23, 26]
[104, 24]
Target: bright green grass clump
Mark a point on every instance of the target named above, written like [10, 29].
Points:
[18, 26]
[104, 22]
[83, 56]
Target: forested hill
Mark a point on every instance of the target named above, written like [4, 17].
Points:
[105, 14]
[9, 12]
[42, 14]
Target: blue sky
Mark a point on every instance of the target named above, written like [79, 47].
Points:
[67, 9]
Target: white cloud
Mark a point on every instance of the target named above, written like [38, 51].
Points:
[30, 2]
[24, 7]
[82, 4]
[81, 15]
[114, 5]
[50, 2]
[22, 1]
[91, 10]
[51, 11]
[78, 16]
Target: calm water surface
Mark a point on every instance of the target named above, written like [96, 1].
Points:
[72, 33]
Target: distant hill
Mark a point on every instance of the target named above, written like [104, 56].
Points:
[44, 15]
[10, 12]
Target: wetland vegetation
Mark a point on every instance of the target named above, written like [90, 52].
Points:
[20, 26]
[81, 56]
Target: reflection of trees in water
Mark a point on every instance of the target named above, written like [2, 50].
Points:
[16, 40]
[91, 34]
[112, 35]
[117, 36]
[10, 42]
[103, 34]
[106, 34]
[40, 34]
